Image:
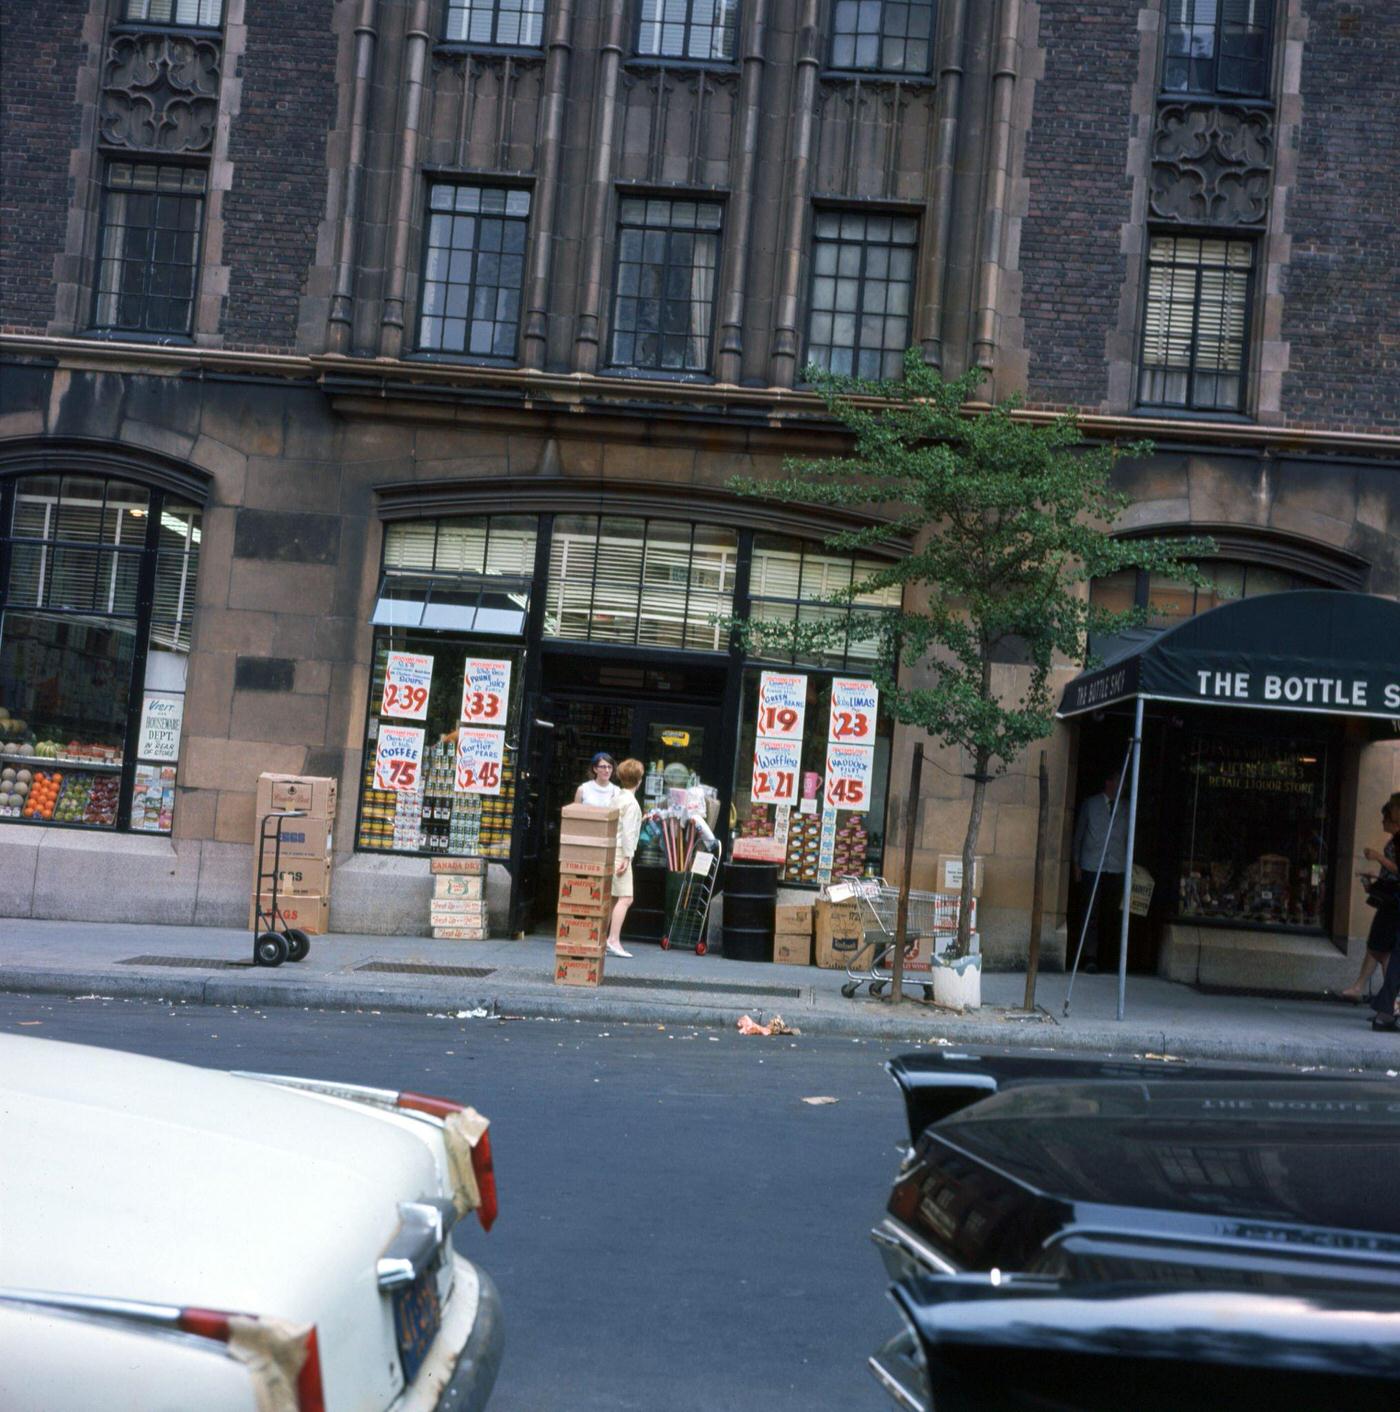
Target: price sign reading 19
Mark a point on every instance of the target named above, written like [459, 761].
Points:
[854, 705]
[408, 678]
[485, 691]
[782, 705]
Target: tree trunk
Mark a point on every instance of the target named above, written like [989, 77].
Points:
[974, 827]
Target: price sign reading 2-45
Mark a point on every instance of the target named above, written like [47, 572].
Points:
[408, 678]
[398, 757]
[782, 704]
[480, 757]
[776, 764]
[854, 704]
[485, 691]
[850, 770]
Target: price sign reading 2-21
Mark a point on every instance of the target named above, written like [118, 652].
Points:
[485, 691]
[408, 678]
[850, 770]
[854, 704]
[480, 756]
[782, 704]
[776, 765]
[398, 757]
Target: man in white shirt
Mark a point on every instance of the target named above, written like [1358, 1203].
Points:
[1094, 838]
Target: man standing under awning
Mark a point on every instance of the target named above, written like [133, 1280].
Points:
[1095, 839]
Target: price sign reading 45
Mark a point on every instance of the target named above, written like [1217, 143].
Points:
[398, 757]
[854, 705]
[485, 691]
[849, 772]
[782, 704]
[408, 677]
[480, 756]
[776, 764]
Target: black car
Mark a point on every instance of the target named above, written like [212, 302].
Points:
[1084, 1234]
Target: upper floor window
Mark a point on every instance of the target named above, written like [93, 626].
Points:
[688, 29]
[663, 308]
[882, 35]
[862, 289]
[1218, 46]
[205, 13]
[508, 23]
[148, 252]
[473, 270]
[1196, 323]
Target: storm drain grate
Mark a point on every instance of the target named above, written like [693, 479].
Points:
[202, 962]
[782, 992]
[421, 968]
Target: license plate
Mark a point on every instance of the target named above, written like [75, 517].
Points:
[417, 1316]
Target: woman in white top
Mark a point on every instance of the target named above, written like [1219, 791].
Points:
[629, 827]
[600, 791]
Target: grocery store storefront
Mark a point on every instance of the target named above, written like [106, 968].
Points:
[539, 639]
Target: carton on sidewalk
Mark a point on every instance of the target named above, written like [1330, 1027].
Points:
[587, 860]
[304, 877]
[301, 838]
[793, 919]
[588, 825]
[466, 867]
[840, 932]
[584, 895]
[577, 967]
[792, 948]
[312, 794]
[581, 933]
[472, 933]
[309, 914]
[450, 885]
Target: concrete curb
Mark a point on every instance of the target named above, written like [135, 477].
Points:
[864, 1019]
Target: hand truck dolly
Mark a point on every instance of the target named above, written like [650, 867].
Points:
[273, 940]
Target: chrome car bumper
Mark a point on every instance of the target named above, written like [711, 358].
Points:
[906, 1254]
[480, 1361]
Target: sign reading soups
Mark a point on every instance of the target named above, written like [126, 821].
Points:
[776, 764]
[782, 705]
[480, 756]
[849, 772]
[161, 720]
[408, 678]
[485, 691]
[854, 704]
[398, 757]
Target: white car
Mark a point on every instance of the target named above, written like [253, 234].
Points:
[175, 1238]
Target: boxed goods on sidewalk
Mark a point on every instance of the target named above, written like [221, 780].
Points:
[792, 934]
[458, 908]
[587, 864]
[297, 851]
[840, 931]
[573, 967]
[308, 914]
[304, 877]
[314, 795]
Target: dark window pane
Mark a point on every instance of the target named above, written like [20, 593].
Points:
[509, 23]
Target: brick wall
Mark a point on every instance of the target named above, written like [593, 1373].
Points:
[278, 149]
[42, 48]
[1079, 196]
[1341, 310]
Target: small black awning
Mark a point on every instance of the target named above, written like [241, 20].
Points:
[1334, 653]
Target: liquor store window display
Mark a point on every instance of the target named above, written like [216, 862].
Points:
[97, 591]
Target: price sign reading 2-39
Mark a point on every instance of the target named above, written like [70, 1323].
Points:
[854, 704]
[485, 691]
[782, 704]
[408, 678]
[480, 756]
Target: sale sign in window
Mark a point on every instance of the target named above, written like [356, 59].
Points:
[398, 757]
[782, 705]
[480, 756]
[776, 765]
[408, 678]
[850, 772]
[854, 705]
[485, 691]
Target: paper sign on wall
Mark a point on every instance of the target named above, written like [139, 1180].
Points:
[782, 705]
[854, 704]
[485, 691]
[161, 720]
[849, 772]
[408, 678]
[775, 768]
[398, 757]
[480, 756]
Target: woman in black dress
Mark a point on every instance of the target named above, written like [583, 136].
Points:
[1385, 925]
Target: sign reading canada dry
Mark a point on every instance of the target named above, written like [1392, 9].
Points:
[849, 772]
[485, 691]
[408, 678]
[854, 704]
[398, 757]
[480, 756]
[782, 705]
[776, 764]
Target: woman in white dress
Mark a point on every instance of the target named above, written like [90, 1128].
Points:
[630, 774]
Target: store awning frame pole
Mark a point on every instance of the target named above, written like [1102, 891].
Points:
[1128, 860]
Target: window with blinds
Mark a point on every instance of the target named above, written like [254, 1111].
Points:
[506, 24]
[1195, 329]
[1218, 47]
[204, 13]
[687, 29]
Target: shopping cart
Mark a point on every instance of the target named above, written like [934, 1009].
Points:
[686, 926]
[932, 917]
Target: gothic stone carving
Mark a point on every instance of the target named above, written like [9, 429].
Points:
[1212, 164]
[160, 92]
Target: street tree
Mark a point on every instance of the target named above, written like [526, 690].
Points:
[1009, 517]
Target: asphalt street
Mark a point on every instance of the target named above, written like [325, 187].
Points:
[679, 1229]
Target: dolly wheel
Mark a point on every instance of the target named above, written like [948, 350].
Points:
[850, 988]
[298, 944]
[665, 943]
[877, 987]
[269, 950]
[700, 948]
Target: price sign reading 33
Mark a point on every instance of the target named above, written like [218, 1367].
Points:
[485, 691]
[408, 678]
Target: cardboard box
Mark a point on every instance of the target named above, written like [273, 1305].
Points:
[452, 885]
[950, 874]
[582, 822]
[793, 920]
[301, 838]
[309, 914]
[305, 877]
[572, 967]
[581, 933]
[583, 894]
[839, 933]
[313, 794]
[587, 860]
[792, 949]
[454, 913]
[466, 867]
[459, 933]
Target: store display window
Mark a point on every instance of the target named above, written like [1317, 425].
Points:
[1258, 822]
[98, 580]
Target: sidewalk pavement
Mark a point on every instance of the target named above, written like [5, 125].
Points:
[211, 966]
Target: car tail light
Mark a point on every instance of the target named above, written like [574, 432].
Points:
[483, 1168]
[224, 1328]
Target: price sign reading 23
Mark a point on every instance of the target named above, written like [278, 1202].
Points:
[854, 705]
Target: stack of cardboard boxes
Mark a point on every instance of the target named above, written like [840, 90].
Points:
[458, 908]
[792, 934]
[587, 863]
[303, 865]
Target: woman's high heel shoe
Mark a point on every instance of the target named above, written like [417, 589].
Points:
[1385, 1022]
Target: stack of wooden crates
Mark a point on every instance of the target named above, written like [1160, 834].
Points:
[458, 909]
[304, 862]
[587, 864]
